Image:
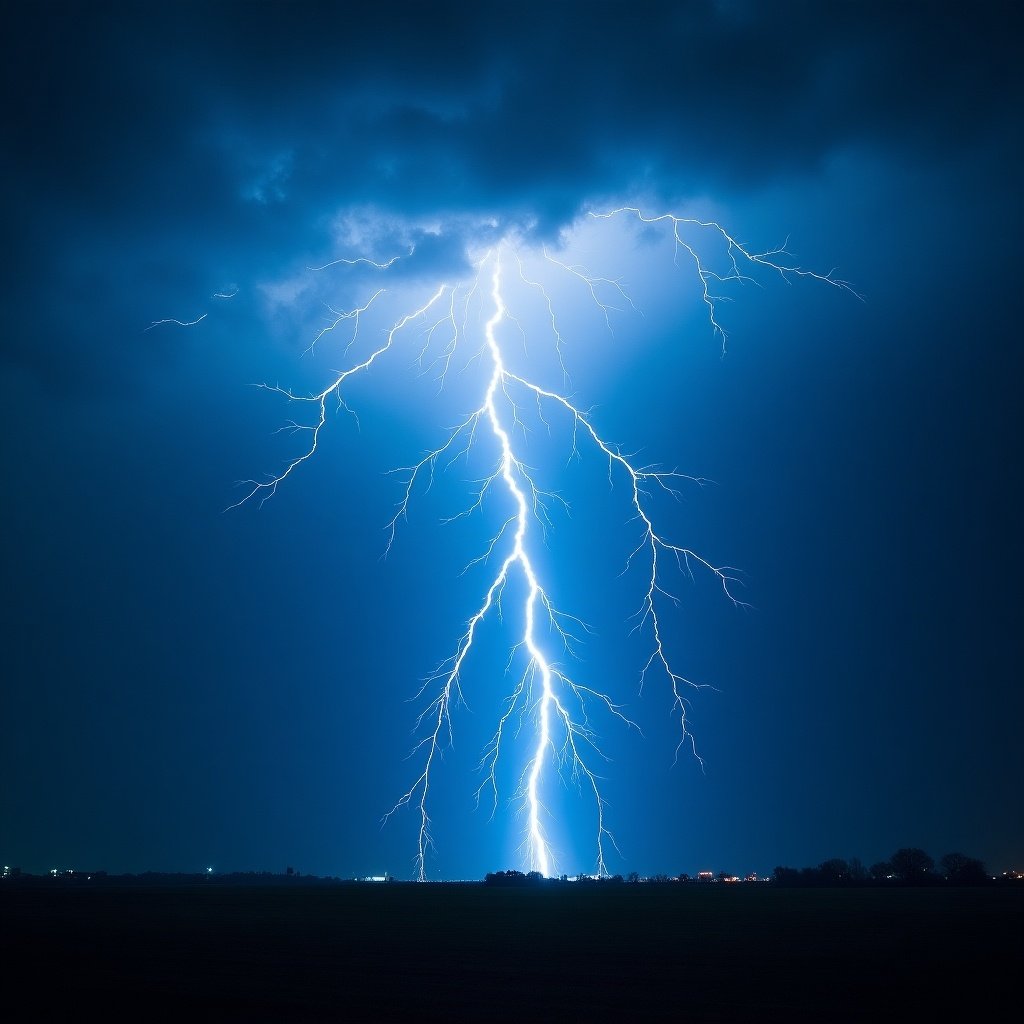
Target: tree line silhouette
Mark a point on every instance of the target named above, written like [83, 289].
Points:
[907, 866]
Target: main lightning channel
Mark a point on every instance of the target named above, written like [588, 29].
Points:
[540, 855]
[548, 706]
[564, 740]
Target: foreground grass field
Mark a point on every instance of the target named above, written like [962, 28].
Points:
[469, 952]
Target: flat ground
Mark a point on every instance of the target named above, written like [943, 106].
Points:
[467, 952]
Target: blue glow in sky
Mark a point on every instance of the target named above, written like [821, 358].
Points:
[185, 687]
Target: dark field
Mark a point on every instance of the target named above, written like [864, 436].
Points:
[468, 952]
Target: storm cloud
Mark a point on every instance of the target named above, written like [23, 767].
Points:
[150, 152]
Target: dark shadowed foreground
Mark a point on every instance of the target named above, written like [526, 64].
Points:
[469, 952]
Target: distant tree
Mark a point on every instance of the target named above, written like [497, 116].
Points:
[633, 877]
[834, 872]
[786, 876]
[909, 864]
[291, 870]
[510, 877]
[880, 871]
[661, 879]
[616, 880]
[684, 877]
[858, 873]
[963, 870]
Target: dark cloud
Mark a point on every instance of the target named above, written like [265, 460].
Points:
[190, 137]
[510, 97]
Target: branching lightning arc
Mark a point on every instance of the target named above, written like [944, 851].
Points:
[545, 695]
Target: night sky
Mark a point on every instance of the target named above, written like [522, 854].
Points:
[185, 686]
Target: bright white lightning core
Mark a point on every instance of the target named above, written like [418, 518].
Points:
[556, 705]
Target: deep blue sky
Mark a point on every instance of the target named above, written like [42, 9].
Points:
[185, 687]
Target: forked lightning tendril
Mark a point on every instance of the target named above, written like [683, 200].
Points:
[564, 740]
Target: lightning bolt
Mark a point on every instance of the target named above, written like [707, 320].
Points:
[564, 740]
